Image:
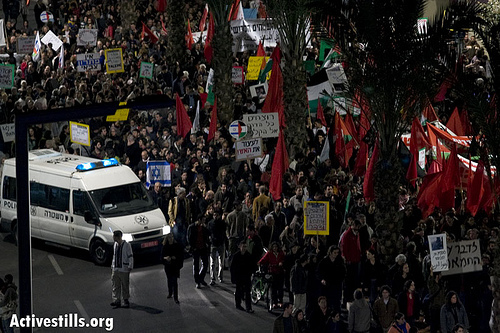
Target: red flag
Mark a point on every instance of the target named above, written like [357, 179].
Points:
[455, 123]
[203, 20]
[184, 124]
[368, 183]
[280, 166]
[361, 159]
[465, 121]
[163, 29]
[151, 35]
[213, 122]
[429, 113]
[478, 190]
[364, 125]
[161, 5]
[235, 14]
[189, 37]
[262, 11]
[418, 141]
[320, 113]
[260, 50]
[349, 123]
[443, 89]
[274, 98]
[450, 179]
[342, 150]
[208, 52]
[428, 196]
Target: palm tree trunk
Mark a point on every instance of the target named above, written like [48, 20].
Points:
[176, 41]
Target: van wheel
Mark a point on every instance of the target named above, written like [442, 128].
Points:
[100, 252]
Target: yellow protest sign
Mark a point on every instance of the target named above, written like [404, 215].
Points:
[120, 114]
[79, 133]
[254, 67]
[316, 218]
[114, 61]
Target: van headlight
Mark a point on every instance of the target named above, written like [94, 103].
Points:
[127, 237]
[166, 230]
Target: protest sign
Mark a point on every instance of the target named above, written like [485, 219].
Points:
[316, 218]
[79, 133]
[114, 61]
[88, 62]
[7, 76]
[253, 68]
[146, 70]
[260, 91]
[51, 38]
[25, 45]
[237, 75]
[86, 37]
[464, 257]
[438, 252]
[8, 132]
[248, 149]
[248, 33]
[120, 114]
[262, 125]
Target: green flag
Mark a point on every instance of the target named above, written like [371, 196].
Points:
[324, 48]
[267, 69]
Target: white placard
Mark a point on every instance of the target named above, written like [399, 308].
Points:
[87, 37]
[237, 76]
[51, 38]
[248, 33]
[438, 252]
[8, 132]
[464, 257]
[88, 62]
[146, 70]
[248, 149]
[25, 45]
[80, 133]
[7, 76]
[262, 125]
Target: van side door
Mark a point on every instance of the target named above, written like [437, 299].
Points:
[80, 230]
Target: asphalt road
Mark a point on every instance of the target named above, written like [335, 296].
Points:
[65, 281]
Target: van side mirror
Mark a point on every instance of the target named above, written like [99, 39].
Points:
[89, 218]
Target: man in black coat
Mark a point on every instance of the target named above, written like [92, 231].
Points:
[199, 240]
[242, 268]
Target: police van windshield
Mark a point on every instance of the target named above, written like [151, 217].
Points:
[122, 200]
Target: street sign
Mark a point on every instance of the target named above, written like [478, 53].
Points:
[238, 129]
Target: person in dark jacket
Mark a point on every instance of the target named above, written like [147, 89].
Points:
[217, 228]
[409, 302]
[298, 283]
[199, 241]
[453, 313]
[242, 268]
[331, 274]
[172, 256]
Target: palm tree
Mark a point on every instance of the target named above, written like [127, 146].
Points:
[176, 43]
[392, 67]
[292, 19]
[222, 60]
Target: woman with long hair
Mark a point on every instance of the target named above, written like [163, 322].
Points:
[453, 313]
[273, 260]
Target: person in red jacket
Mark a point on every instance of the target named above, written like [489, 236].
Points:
[274, 260]
[351, 251]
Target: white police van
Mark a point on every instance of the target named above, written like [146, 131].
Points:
[79, 201]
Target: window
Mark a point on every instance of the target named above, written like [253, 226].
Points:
[81, 203]
[9, 188]
[50, 197]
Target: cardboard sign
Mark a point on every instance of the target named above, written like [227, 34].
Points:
[438, 252]
[253, 68]
[464, 257]
[7, 76]
[316, 218]
[114, 61]
[8, 132]
[262, 125]
[88, 62]
[86, 37]
[51, 38]
[79, 133]
[146, 70]
[25, 45]
[120, 114]
[237, 76]
[248, 149]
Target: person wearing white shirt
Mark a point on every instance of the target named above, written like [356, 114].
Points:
[123, 263]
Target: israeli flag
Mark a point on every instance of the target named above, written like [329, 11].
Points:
[158, 171]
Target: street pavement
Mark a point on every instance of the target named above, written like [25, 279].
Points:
[65, 281]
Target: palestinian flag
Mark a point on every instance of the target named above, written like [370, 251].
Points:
[318, 88]
[209, 86]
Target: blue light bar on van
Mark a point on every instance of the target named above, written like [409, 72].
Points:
[97, 165]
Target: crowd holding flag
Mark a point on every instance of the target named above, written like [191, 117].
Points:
[184, 124]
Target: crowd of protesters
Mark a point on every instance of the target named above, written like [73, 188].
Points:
[219, 207]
